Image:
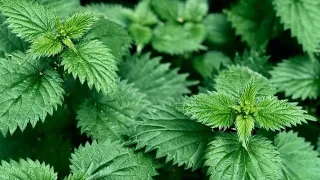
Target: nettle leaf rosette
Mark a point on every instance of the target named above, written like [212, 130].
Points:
[31, 84]
[243, 99]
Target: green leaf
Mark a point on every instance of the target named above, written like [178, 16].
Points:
[46, 45]
[171, 10]
[233, 80]
[211, 63]
[197, 30]
[26, 170]
[275, 114]
[92, 62]
[298, 77]
[254, 21]
[153, 78]
[219, 30]
[143, 14]
[112, 12]
[9, 42]
[213, 109]
[229, 160]
[302, 18]
[174, 39]
[195, 10]
[142, 35]
[112, 35]
[28, 19]
[104, 118]
[77, 25]
[173, 135]
[110, 160]
[28, 92]
[62, 8]
[254, 59]
[298, 159]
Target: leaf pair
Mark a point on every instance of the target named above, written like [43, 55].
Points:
[243, 97]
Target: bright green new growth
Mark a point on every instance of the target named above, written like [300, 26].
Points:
[244, 98]
[302, 17]
[92, 62]
[26, 170]
[28, 92]
[173, 135]
[298, 77]
[110, 160]
[298, 159]
[227, 159]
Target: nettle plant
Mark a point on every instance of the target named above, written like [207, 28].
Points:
[64, 64]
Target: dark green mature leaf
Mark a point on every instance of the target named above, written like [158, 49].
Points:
[112, 35]
[104, 118]
[28, 19]
[275, 114]
[174, 39]
[302, 18]
[28, 92]
[92, 62]
[151, 77]
[9, 42]
[26, 170]
[233, 80]
[254, 59]
[173, 135]
[229, 160]
[110, 160]
[254, 21]
[299, 160]
[219, 29]
[213, 109]
[298, 77]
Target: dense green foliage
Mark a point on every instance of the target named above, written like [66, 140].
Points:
[159, 89]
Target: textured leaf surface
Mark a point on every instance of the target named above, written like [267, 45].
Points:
[229, 160]
[46, 45]
[28, 19]
[26, 170]
[298, 77]
[233, 80]
[102, 118]
[92, 62]
[151, 77]
[112, 35]
[174, 40]
[303, 19]
[213, 109]
[9, 42]
[299, 160]
[77, 25]
[28, 92]
[110, 160]
[253, 20]
[173, 135]
[255, 60]
[62, 8]
[275, 114]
